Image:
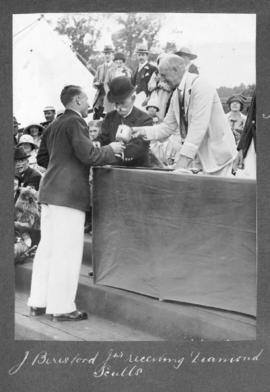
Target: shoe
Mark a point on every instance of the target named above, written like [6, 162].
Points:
[35, 311]
[73, 316]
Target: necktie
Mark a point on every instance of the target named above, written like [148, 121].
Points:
[183, 121]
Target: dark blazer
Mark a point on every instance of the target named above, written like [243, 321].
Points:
[137, 150]
[71, 153]
[141, 78]
[249, 131]
[30, 177]
[112, 120]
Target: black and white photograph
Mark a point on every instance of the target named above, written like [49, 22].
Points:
[134, 176]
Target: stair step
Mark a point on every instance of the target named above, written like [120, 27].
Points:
[171, 321]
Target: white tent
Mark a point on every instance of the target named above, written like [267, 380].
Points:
[42, 65]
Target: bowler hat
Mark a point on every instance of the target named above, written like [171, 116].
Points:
[108, 49]
[20, 154]
[186, 52]
[119, 56]
[142, 48]
[27, 139]
[27, 129]
[120, 89]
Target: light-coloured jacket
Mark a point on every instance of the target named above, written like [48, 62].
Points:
[209, 135]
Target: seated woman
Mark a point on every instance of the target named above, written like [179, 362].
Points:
[31, 149]
[27, 222]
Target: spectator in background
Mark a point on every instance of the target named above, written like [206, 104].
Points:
[16, 188]
[118, 68]
[143, 73]
[27, 224]
[49, 114]
[36, 131]
[30, 148]
[98, 83]
[160, 91]
[236, 118]
[29, 177]
[15, 130]
[186, 54]
[246, 158]
[94, 127]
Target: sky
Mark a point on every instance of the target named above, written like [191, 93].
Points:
[225, 43]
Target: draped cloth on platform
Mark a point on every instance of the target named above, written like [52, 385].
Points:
[184, 238]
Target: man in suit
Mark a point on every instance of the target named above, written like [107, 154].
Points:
[121, 93]
[144, 71]
[65, 196]
[196, 110]
[49, 114]
[28, 177]
[98, 83]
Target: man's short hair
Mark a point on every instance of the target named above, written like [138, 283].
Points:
[68, 93]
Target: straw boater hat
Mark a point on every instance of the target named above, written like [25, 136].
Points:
[142, 48]
[27, 139]
[186, 52]
[49, 108]
[120, 89]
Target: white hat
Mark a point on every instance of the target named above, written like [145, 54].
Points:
[48, 108]
[27, 139]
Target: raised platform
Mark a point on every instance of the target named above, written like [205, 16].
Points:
[125, 315]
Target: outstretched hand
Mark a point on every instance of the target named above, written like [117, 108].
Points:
[118, 147]
[137, 131]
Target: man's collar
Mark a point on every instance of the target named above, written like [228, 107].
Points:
[73, 110]
[142, 65]
[181, 86]
[128, 113]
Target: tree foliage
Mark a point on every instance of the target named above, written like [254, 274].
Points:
[82, 32]
[226, 92]
[135, 29]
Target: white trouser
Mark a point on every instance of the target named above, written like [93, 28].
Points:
[57, 263]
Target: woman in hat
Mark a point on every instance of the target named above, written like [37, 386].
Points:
[235, 117]
[36, 131]
[118, 68]
[30, 149]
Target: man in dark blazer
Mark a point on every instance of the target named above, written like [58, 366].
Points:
[122, 94]
[65, 196]
[28, 177]
[144, 71]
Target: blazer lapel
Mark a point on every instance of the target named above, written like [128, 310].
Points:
[189, 83]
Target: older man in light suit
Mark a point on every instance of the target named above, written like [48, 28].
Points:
[196, 111]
